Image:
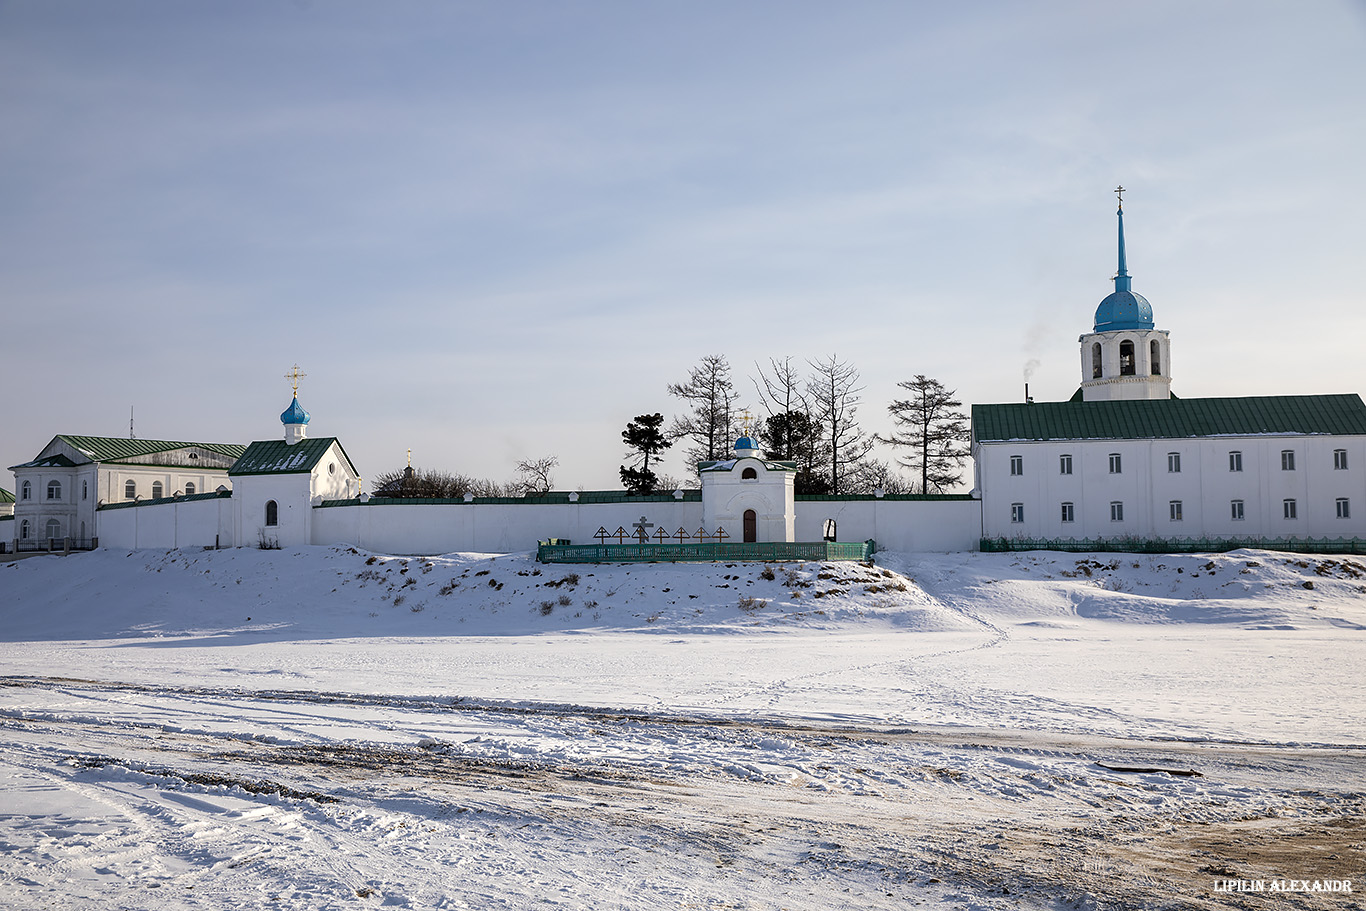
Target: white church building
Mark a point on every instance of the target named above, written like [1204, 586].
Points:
[1125, 461]
[1123, 465]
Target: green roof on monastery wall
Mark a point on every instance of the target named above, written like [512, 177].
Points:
[279, 457]
[1338, 415]
[6, 496]
[116, 449]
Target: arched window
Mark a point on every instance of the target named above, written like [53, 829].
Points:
[189, 488]
[1155, 357]
[1126, 358]
[130, 490]
[751, 526]
[23, 530]
[85, 490]
[26, 491]
[1095, 361]
[157, 490]
[54, 529]
[54, 490]
[272, 513]
[749, 474]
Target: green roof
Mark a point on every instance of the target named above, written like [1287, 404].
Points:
[52, 461]
[185, 498]
[279, 457]
[6, 496]
[1338, 415]
[117, 449]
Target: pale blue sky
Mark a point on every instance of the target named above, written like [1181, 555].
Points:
[490, 231]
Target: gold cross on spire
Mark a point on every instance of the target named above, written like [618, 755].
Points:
[1119, 191]
[294, 376]
[410, 458]
[747, 422]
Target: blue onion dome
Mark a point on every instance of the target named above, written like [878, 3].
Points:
[1124, 310]
[294, 414]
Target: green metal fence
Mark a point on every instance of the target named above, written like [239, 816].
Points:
[1177, 545]
[768, 552]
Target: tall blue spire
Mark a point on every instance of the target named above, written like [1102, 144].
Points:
[1123, 309]
[1122, 281]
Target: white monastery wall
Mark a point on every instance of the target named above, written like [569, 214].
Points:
[188, 523]
[926, 526]
[490, 527]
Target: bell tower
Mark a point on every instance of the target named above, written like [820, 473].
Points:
[1124, 357]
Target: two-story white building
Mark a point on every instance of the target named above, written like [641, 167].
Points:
[58, 491]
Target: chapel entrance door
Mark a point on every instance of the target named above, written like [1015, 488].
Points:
[751, 526]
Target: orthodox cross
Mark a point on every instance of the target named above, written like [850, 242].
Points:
[747, 422]
[1119, 191]
[294, 376]
[641, 534]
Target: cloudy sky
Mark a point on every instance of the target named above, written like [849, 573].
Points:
[492, 231]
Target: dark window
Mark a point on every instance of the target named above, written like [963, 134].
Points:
[1287, 460]
[1064, 464]
[1340, 459]
[1174, 462]
[26, 491]
[1235, 461]
[54, 490]
[749, 474]
[130, 490]
[1174, 510]
[1116, 463]
[1289, 508]
[272, 513]
[1017, 512]
[1095, 361]
[1236, 510]
[1155, 356]
[1017, 465]
[157, 490]
[189, 488]
[1068, 514]
[1344, 508]
[1116, 511]
[1126, 359]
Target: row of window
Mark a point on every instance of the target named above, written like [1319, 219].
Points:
[1289, 510]
[130, 490]
[1235, 462]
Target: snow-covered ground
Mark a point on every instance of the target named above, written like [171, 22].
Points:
[326, 728]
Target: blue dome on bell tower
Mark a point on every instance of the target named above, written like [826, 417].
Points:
[1123, 309]
[294, 414]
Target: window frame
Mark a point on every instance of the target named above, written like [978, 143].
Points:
[130, 489]
[1065, 463]
[1236, 511]
[54, 489]
[1287, 460]
[1344, 508]
[26, 490]
[1174, 511]
[1016, 466]
[190, 488]
[1289, 508]
[1069, 512]
[158, 490]
[1116, 463]
[1016, 513]
[1235, 460]
[1173, 463]
[272, 514]
[1339, 460]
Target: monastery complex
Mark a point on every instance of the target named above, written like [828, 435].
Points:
[1123, 465]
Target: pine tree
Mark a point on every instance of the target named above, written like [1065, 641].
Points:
[644, 438]
[936, 432]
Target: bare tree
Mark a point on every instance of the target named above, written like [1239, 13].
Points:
[411, 483]
[936, 432]
[710, 425]
[834, 392]
[536, 475]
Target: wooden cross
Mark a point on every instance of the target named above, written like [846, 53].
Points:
[701, 535]
[682, 534]
[294, 376]
[602, 535]
[661, 536]
[641, 534]
[620, 534]
[721, 534]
